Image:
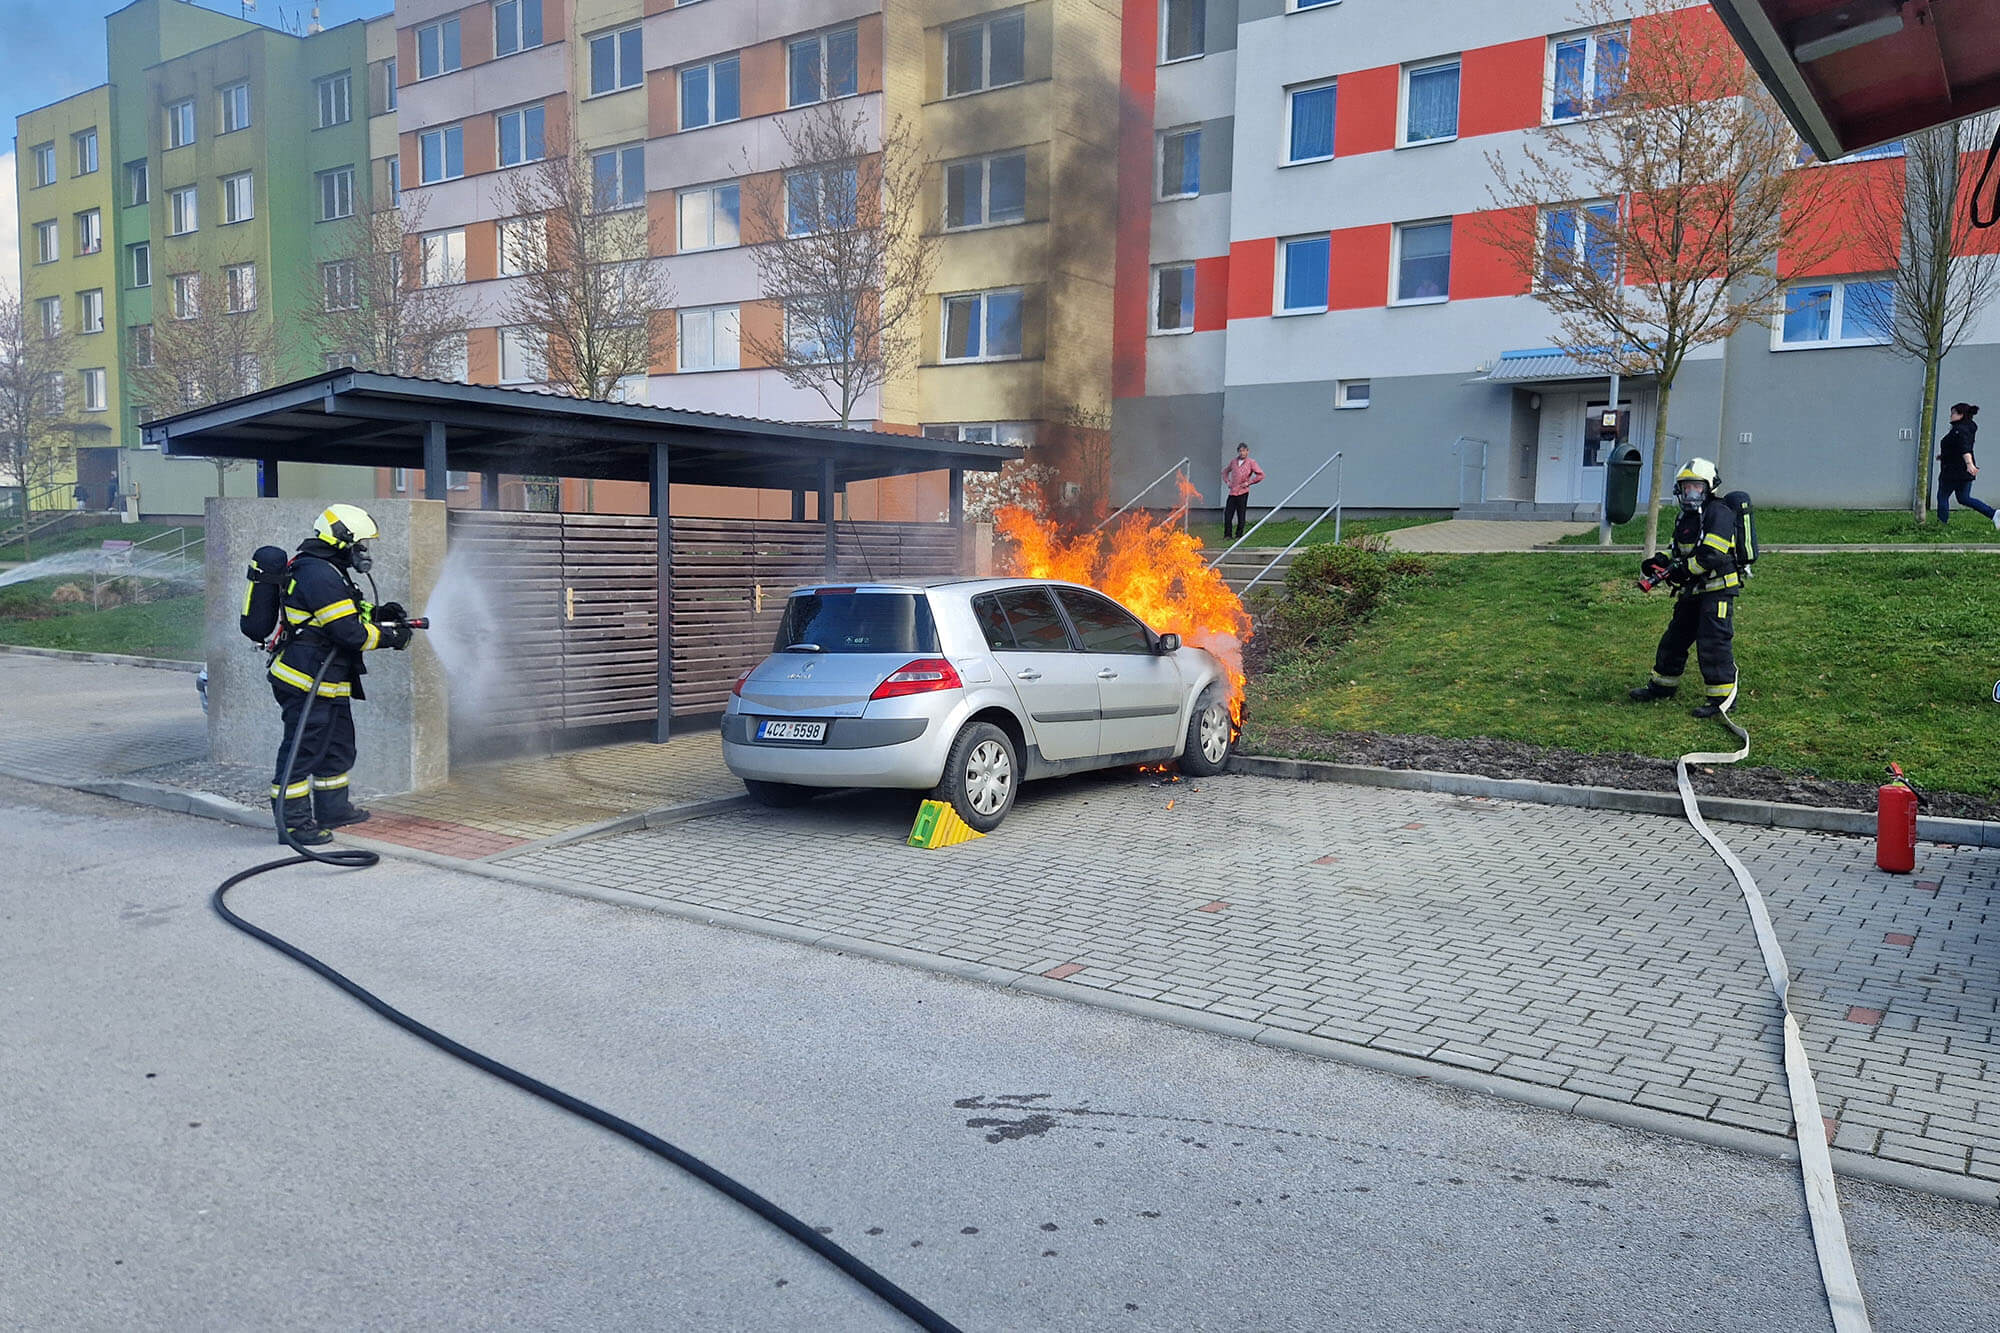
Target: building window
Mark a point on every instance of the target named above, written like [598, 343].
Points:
[808, 322]
[618, 177]
[1586, 71]
[142, 263]
[340, 285]
[521, 358]
[523, 246]
[1430, 102]
[1351, 393]
[710, 217]
[517, 26]
[441, 154]
[1296, 5]
[239, 288]
[711, 94]
[235, 101]
[1576, 236]
[249, 372]
[985, 54]
[520, 136]
[709, 339]
[443, 257]
[1423, 262]
[1307, 264]
[50, 310]
[142, 345]
[1183, 29]
[616, 61]
[821, 199]
[1173, 298]
[449, 359]
[823, 66]
[187, 295]
[44, 155]
[89, 231]
[95, 396]
[1837, 312]
[986, 191]
[1309, 123]
[389, 84]
[48, 245]
[90, 311]
[85, 144]
[138, 183]
[239, 198]
[180, 123]
[983, 326]
[437, 49]
[336, 193]
[335, 98]
[183, 213]
[56, 392]
[1180, 164]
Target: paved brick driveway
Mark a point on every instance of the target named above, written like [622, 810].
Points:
[1602, 954]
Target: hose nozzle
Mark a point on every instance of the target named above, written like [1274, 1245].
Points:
[420, 622]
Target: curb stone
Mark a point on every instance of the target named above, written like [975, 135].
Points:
[1853, 1165]
[664, 816]
[1773, 814]
[107, 659]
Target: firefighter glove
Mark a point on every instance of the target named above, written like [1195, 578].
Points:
[396, 635]
[1653, 568]
[389, 611]
[1678, 573]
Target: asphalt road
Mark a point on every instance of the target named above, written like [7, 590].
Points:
[195, 1132]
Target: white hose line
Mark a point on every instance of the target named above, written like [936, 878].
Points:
[1836, 1264]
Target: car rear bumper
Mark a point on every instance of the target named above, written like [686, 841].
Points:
[857, 752]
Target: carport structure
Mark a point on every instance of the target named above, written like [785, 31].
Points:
[608, 619]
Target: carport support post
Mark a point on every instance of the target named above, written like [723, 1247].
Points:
[660, 505]
[434, 474]
[826, 517]
[489, 490]
[267, 478]
[798, 506]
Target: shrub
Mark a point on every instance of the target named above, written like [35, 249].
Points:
[1331, 589]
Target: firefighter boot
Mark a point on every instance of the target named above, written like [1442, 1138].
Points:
[335, 810]
[1712, 707]
[1649, 692]
[298, 818]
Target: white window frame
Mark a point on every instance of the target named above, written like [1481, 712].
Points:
[823, 41]
[618, 154]
[57, 389]
[1593, 37]
[519, 28]
[1166, 59]
[84, 148]
[48, 310]
[985, 165]
[450, 358]
[393, 165]
[48, 241]
[142, 345]
[450, 57]
[984, 23]
[141, 260]
[90, 231]
[184, 211]
[1153, 306]
[1285, 158]
[340, 285]
[342, 181]
[707, 317]
[245, 183]
[1344, 399]
[1160, 194]
[90, 311]
[521, 114]
[334, 94]
[519, 235]
[619, 82]
[138, 183]
[982, 298]
[1403, 139]
[389, 88]
[180, 127]
[186, 296]
[442, 134]
[44, 158]
[519, 342]
[1306, 6]
[710, 194]
[1836, 316]
[1396, 261]
[1280, 309]
[238, 282]
[818, 175]
[441, 257]
[1580, 243]
[229, 102]
[708, 69]
[96, 389]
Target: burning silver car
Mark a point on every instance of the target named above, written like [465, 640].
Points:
[966, 688]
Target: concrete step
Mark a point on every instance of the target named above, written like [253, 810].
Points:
[1528, 511]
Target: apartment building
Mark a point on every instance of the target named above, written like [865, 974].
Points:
[1302, 267]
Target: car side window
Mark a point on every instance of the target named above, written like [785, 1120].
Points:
[1037, 625]
[1104, 626]
[993, 623]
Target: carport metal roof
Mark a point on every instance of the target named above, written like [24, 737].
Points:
[361, 418]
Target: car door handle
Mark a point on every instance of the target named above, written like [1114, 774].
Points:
[1029, 674]
[1107, 674]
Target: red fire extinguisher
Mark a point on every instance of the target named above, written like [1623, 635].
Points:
[1896, 824]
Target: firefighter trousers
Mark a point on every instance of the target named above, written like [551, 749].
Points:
[1705, 622]
[326, 753]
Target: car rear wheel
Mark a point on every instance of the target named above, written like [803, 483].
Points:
[1210, 733]
[778, 795]
[981, 776]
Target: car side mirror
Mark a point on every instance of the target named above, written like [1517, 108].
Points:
[1167, 643]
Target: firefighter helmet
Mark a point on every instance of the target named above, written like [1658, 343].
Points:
[342, 526]
[1695, 469]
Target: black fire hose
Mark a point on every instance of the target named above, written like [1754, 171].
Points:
[355, 858]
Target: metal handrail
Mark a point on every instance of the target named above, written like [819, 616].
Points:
[1334, 457]
[1181, 466]
[1333, 509]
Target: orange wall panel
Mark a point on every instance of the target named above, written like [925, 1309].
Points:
[555, 125]
[406, 57]
[475, 35]
[1500, 87]
[1364, 119]
[482, 355]
[868, 57]
[660, 331]
[760, 204]
[1480, 264]
[662, 107]
[759, 322]
[1252, 270]
[482, 147]
[1211, 293]
[1360, 268]
[761, 70]
[482, 251]
[660, 229]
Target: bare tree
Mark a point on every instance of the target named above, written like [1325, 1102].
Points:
[216, 341]
[1944, 279]
[1696, 170]
[33, 401]
[582, 281]
[383, 303]
[845, 249]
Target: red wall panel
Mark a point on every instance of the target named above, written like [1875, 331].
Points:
[1500, 87]
[1360, 263]
[1211, 293]
[1252, 267]
[1481, 265]
[1364, 118]
[1841, 236]
[1131, 273]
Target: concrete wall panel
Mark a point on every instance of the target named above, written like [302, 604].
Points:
[1151, 433]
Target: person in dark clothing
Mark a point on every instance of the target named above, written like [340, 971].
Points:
[111, 495]
[1957, 467]
[82, 494]
[1701, 566]
[325, 615]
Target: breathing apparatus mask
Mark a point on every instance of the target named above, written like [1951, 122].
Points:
[359, 559]
[1692, 494]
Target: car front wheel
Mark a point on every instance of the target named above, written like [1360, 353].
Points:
[981, 776]
[1209, 734]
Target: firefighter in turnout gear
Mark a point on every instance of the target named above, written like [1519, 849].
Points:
[325, 615]
[1701, 566]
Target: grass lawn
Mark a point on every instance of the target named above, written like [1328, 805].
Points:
[1847, 662]
[171, 627]
[1828, 527]
[91, 536]
[1279, 532]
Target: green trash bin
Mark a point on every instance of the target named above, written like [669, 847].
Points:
[1621, 483]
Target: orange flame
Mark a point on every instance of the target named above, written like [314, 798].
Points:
[1150, 566]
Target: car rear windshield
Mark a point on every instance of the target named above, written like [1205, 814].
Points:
[858, 622]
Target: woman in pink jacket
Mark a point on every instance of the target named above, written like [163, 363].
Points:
[1238, 476]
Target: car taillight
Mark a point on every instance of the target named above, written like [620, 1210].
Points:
[736, 690]
[919, 677]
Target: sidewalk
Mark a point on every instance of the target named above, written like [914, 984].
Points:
[1462, 536]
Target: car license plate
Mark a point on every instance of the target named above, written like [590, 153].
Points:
[791, 731]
